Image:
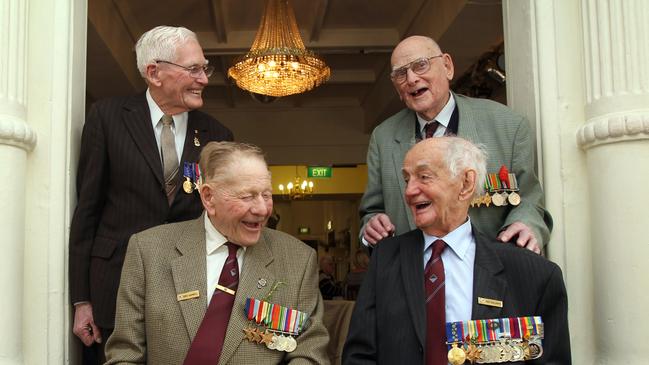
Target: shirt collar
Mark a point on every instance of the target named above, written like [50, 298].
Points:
[213, 238]
[157, 113]
[458, 239]
[444, 116]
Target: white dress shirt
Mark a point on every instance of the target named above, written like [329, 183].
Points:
[216, 254]
[458, 258]
[443, 118]
[179, 128]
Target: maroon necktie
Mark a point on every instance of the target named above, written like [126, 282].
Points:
[208, 343]
[430, 128]
[435, 307]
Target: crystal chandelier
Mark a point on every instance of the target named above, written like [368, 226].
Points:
[298, 188]
[278, 64]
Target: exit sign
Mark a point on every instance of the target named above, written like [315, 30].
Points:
[319, 171]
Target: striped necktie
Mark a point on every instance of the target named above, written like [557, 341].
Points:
[169, 157]
[434, 281]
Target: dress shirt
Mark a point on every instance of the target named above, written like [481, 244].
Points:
[443, 118]
[179, 128]
[458, 258]
[217, 253]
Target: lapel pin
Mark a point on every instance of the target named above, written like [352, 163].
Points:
[490, 302]
[197, 143]
[189, 295]
[261, 283]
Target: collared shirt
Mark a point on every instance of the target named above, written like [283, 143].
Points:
[179, 128]
[458, 259]
[443, 118]
[217, 253]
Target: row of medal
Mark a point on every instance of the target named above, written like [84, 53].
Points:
[273, 325]
[489, 341]
[192, 176]
[500, 189]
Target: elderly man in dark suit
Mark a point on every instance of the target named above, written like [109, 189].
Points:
[184, 288]
[446, 270]
[136, 153]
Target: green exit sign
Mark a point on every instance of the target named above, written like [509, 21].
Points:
[319, 171]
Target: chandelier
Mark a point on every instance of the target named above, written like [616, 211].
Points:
[298, 188]
[278, 64]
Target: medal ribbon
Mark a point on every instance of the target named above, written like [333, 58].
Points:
[275, 317]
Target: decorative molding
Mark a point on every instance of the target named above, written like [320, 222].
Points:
[17, 133]
[613, 129]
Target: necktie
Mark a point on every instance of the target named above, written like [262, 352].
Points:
[208, 343]
[436, 352]
[169, 156]
[430, 128]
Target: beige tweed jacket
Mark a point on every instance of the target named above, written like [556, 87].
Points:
[153, 327]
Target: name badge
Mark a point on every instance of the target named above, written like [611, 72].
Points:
[490, 302]
[189, 295]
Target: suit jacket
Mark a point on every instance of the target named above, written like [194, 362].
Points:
[508, 141]
[120, 191]
[389, 321]
[153, 327]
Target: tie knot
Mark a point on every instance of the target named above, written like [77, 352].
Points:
[232, 248]
[438, 247]
[167, 120]
[430, 128]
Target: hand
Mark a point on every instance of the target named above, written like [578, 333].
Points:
[525, 235]
[378, 228]
[84, 324]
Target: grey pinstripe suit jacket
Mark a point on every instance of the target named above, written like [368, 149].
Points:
[120, 191]
[153, 327]
[508, 140]
[388, 325]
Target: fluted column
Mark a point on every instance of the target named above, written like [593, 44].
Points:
[615, 138]
[16, 140]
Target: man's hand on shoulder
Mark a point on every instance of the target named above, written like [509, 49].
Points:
[84, 324]
[525, 236]
[378, 228]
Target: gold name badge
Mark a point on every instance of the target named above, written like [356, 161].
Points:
[189, 295]
[490, 302]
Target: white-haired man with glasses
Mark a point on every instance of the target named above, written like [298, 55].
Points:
[421, 73]
[137, 169]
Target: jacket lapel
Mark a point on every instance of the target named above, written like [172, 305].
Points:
[189, 274]
[255, 266]
[487, 279]
[404, 140]
[468, 120]
[412, 256]
[196, 131]
[137, 119]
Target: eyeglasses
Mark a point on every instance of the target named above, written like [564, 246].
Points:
[194, 71]
[419, 67]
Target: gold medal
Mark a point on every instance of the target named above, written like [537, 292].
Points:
[473, 353]
[514, 198]
[188, 187]
[197, 143]
[456, 356]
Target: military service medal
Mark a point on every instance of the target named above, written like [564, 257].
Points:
[501, 189]
[276, 324]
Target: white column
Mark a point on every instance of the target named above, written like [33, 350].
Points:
[615, 139]
[16, 140]
[544, 52]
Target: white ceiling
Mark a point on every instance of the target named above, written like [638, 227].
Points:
[328, 125]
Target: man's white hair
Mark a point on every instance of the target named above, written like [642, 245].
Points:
[462, 155]
[160, 43]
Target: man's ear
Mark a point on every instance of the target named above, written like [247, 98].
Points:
[151, 75]
[468, 185]
[448, 65]
[207, 194]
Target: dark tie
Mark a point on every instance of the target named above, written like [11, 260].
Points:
[430, 128]
[436, 352]
[169, 156]
[208, 343]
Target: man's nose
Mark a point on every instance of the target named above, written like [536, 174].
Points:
[260, 206]
[202, 79]
[411, 76]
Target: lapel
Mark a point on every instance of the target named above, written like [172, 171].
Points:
[196, 129]
[487, 279]
[137, 120]
[411, 255]
[404, 139]
[468, 120]
[256, 264]
[189, 273]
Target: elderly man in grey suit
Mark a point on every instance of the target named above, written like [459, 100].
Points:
[421, 73]
[190, 291]
[447, 270]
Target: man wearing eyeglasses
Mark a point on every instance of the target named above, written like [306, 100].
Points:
[136, 170]
[421, 73]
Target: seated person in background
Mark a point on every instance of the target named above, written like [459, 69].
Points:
[446, 270]
[186, 288]
[355, 277]
[329, 288]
